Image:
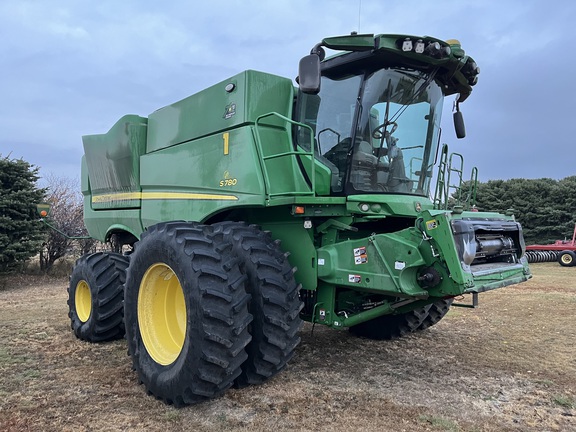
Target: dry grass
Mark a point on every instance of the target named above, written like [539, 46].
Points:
[509, 365]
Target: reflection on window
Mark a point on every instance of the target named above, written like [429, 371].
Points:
[398, 133]
[331, 116]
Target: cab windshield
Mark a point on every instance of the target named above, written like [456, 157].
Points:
[377, 132]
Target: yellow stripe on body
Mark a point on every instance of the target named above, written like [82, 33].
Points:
[121, 196]
[124, 196]
[226, 137]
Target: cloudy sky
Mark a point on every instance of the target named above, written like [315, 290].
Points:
[73, 67]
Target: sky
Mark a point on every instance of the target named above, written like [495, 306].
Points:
[71, 68]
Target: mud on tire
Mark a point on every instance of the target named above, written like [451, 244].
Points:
[204, 310]
[275, 304]
[95, 296]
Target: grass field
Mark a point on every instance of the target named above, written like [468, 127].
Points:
[509, 365]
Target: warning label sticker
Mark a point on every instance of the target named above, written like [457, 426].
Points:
[354, 278]
[360, 256]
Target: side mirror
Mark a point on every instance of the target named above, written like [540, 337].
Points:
[309, 74]
[459, 125]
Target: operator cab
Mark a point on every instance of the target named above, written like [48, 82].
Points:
[377, 130]
[375, 110]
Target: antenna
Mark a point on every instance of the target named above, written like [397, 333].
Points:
[359, 9]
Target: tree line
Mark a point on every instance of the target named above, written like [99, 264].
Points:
[546, 208]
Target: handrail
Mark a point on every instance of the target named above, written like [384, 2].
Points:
[412, 170]
[471, 198]
[459, 172]
[440, 193]
[294, 153]
[446, 168]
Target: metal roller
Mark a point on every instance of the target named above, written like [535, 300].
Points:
[541, 256]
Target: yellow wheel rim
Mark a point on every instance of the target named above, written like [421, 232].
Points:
[566, 258]
[83, 301]
[162, 314]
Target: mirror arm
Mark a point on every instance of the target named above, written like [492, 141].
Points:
[319, 51]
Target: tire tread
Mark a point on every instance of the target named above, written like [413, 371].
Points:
[216, 343]
[105, 274]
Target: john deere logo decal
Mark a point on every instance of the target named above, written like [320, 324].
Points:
[431, 224]
[230, 110]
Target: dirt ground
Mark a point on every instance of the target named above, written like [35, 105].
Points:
[509, 365]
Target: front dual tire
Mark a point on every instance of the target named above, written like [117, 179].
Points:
[204, 307]
[186, 313]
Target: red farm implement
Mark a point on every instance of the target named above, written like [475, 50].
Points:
[563, 251]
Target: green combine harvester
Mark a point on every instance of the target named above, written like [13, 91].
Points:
[246, 208]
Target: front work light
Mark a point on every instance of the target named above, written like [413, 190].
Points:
[407, 45]
[419, 46]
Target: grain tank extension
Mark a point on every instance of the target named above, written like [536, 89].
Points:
[253, 205]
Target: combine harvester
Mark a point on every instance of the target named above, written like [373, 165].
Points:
[254, 204]
[563, 251]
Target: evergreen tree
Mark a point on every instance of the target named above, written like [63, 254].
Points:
[21, 234]
[546, 208]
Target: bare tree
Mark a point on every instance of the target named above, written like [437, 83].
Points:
[66, 216]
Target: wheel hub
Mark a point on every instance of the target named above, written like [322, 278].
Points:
[83, 301]
[162, 314]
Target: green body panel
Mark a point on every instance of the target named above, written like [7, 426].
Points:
[214, 109]
[100, 227]
[229, 181]
[113, 162]
[322, 173]
[295, 239]
[231, 152]
[99, 224]
[378, 264]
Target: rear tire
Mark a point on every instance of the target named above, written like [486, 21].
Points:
[436, 311]
[391, 326]
[567, 258]
[186, 313]
[96, 296]
[275, 304]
